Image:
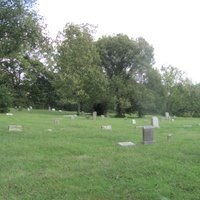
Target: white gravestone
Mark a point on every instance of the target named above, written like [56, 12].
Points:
[94, 114]
[167, 115]
[133, 121]
[154, 122]
[126, 144]
[106, 127]
[9, 114]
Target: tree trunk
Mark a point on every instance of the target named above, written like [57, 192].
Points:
[78, 108]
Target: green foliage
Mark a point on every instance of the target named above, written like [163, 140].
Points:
[80, 79]
[126, 62]
[5, 99]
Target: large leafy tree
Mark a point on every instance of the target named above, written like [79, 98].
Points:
[21, 38]
[80, 79]
[125, 62]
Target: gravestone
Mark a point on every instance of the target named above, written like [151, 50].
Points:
[148, 135]
[169, 137]
[9, 114]
[167, 115]
[154, 122]
[53, 109]
[106, 127]
[126, 144]
[15, 128]
[56, 121]
[133, 121]
[94, 115]
[102, 116]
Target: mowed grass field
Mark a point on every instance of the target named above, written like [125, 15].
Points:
[76, 159]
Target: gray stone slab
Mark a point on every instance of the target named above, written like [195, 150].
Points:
[148, 135]
[15, 128]
[106, 127]
[126, 144]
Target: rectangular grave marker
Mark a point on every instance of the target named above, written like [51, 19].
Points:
[106, 127]
[148, 135]
[126, 144]
[154, 122]
[15, 128]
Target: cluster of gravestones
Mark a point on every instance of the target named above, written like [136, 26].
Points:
[148, 131]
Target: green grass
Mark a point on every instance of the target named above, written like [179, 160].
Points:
[78, 160]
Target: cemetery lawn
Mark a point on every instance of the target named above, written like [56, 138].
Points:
[76, 159]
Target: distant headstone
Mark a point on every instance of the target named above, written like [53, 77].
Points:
[102, 116]
[49, 108]
[106, 127]
[28, 109]
[53, 109]
[60, 111]
[148, 135]
[15, 128]
[172, 120]
[56, 121]
[94, 115]
[49, 130]
[169, 137]
[154, 122]
[9, 114]
[133, 121]
[126, 144]
[167, 115]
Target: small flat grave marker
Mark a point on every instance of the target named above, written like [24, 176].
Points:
[15, 128]
[106, 127]
[9, 114]
[126, 144]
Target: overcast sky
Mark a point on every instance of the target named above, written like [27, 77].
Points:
[171, 26]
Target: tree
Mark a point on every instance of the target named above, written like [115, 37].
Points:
[171, 77]
[125, 61]
[21, 37]
[80, 78]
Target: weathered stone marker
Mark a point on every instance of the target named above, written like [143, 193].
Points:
[133, 121]
[94, 114]
[154, 122]
[167, 115]
[126, 144]
[15, 128]
[148, 135]
[106, 127]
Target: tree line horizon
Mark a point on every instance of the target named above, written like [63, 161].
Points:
[75, 72]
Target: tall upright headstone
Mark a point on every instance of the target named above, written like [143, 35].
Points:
[94, 114]
[167, 115]
[155, 122]
[148, 135]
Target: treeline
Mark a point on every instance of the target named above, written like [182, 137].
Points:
[114, 73]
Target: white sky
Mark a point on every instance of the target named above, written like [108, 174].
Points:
[172, 27]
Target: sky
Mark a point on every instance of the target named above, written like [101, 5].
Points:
[171, 26]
